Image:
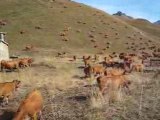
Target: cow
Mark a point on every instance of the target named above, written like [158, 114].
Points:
[29, 48]
[74, 58]
[96, 58]
[10, 65]
[95, 70]
[138, 67]
[88, 71]
[25, 62]
[98, 69]
[7, 89]
[30, 106]
[108, 62]
[86, 60]
[115, 82]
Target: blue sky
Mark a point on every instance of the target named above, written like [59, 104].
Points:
[148, 9]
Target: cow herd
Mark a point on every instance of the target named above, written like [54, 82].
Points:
[109, 71]
[31, 106]
[112, 70]
[15, 64]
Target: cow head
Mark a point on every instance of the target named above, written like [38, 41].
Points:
[30, 60]
[17, 83]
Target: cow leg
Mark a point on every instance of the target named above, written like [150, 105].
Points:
[103, 91]
[34, 117]
[2, 68]
[27, 65]
[40, 116]
[127, 90]
[3, 104]
[17, 68]
[2, 101]
[6, 100]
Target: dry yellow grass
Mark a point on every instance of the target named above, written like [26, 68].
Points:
[67, 97]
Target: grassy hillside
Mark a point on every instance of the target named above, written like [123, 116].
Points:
[151, 29]
[40, 23]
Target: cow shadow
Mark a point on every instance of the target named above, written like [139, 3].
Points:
[81, 67]
[79, 98]
[9, 71]
[78, 77]
[7, 115]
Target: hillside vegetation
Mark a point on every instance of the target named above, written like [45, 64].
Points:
[63, 25]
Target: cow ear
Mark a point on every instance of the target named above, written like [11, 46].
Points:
[18, 81]
[2, 96]
[14, 80]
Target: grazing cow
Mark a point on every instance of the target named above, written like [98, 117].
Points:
[74, 58]
[108, 61]
[95, 46]
[138, 67]
[29, 48]
[78, 31]
[3, 22]
[38, 27]
[92, 40]
[11, 65]
[22, 32]
[88, 71]
[156, 54]
[96, 58]
[62, 34]
[7, 89]
[122, 55]
[30, 106]
[25, 62]
[91, 36]
[86, 60]
[115, 82]
[65, 39]
[98, 69]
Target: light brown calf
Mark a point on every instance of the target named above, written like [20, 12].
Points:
[30, 106]
[7, 89]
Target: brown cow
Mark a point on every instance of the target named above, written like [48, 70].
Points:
[138, 67]
[25, 62]
[88, 71]
[74, 58]
[86, 60]
[96, 58]
[11, 65]
[29, 48]
[115, 82]
[7, 89]
[32, 105]
[98, 69]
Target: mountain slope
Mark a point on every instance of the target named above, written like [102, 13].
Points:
[153, 30]
[43, 24]
[157, 22]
